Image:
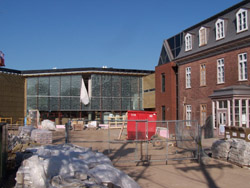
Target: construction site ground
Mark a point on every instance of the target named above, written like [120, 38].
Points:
[210, 173]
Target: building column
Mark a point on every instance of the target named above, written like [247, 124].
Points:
[228, 113]
[213, 113]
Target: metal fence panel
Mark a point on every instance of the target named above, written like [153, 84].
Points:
[171, 141]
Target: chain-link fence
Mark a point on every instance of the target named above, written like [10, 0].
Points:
[142, 141]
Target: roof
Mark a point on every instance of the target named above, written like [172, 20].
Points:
[89, 70]
[235, 90]
[213, 46]
[10, 71]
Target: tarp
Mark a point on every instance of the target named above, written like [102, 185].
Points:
[84, 97]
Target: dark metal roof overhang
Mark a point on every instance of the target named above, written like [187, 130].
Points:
[74, 71]
[231, 91]
[9, 71]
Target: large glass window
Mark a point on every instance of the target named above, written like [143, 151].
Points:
[241, 19]
[242, 58]
[188, 77]
[220, 71]
[62, 93]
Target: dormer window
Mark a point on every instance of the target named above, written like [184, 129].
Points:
[203, 33]
[241, 20]
[220, 29]
[188, 42]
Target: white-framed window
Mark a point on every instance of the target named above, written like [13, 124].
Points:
[241, 20]
[220, 29]
[203, 75]
[188, 114]
[203, 113]
[188, 77]
[220, 71]
[188, 42]
[242, 59]
[203, 36]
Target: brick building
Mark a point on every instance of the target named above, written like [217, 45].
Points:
[212, 71]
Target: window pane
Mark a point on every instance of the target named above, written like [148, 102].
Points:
[31, 103]
[96, 84]
[65, 103]
[106, 85]
[54, 103]
[32, 84]
[44, 86]
[126, 86]
[55, 86]
[76, 82]
[43, 103]
[65, 86]
[116, 86]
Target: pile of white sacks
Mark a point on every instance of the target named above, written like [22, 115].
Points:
[64, 166]
[233, 150]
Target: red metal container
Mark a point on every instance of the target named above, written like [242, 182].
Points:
[145, 128]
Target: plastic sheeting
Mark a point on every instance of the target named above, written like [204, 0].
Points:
[69, 166]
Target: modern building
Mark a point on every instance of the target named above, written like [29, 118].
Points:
[56, 93]
[11, 96]
[205, 69]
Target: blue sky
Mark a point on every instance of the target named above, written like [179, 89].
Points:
[43, 34]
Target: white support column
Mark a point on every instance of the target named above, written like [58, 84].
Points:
[233, 109]
[247, 113]
[228, 113]
[240, 112]
[213, 113]
[217, 117]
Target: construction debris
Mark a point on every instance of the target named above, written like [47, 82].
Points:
[48, 125]
[42, 136]
[63, 166]
[233, 150]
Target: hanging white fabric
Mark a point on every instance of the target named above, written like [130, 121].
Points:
[84, 97]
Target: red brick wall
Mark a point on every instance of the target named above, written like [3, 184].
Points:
[167, 98]
[197, 94]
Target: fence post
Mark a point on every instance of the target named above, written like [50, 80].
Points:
[67, 132]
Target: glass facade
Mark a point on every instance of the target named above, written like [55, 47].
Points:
[62, 93]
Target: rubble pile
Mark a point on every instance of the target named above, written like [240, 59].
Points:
[42, 136]
[25, 132]
[233, 150]
[63, 166]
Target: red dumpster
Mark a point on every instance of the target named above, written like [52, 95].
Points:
[141, 120]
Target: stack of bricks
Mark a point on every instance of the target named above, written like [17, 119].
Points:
[42, 136]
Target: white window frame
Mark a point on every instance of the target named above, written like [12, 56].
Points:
[242, 20]
[188, 114]
[188, 42]
[242, 66]
[202, 75]
[220, 29]
[203, 113]
[220, 71]
[203, 36]
[188, 77]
